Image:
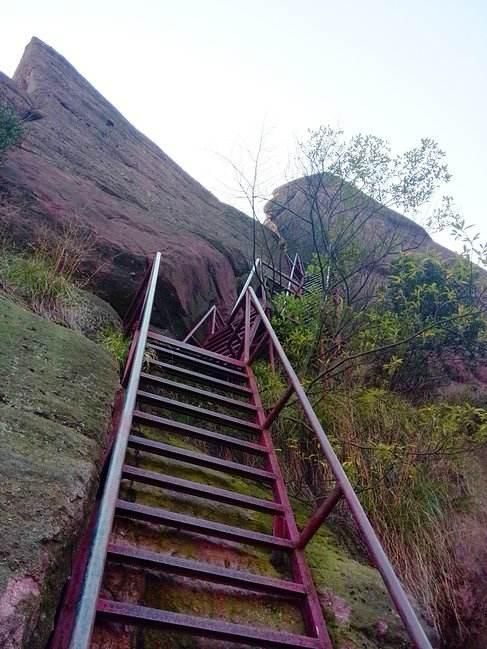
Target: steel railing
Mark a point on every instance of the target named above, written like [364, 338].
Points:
[343, 489]
[86, 612]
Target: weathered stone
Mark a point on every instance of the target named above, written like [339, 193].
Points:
[57, 388]
[293, 200]
[82, 160]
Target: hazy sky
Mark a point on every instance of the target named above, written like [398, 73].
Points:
[201, 78]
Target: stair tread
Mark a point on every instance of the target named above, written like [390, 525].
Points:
[196, 410]
[183, 387]
[193, 359]
[199, 459]
[201, 490]
[205, 571]
[200, 626]
[199, 433]
[193, 349]
[204, 378]
[199, 525]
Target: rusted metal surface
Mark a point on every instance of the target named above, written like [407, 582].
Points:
[286, 526]
[207, 628]
[203, 571]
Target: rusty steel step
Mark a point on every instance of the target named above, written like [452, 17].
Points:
[202, 378]
[189, 389]
[165, 517]
[204, 413]
[196, 351]
[198, 433]
[133, 556]
[134, 614]
[199, 459]
[233, 373]
[200, 490]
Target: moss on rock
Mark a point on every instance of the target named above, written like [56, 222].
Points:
[55, 406]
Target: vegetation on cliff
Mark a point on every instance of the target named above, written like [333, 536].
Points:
[413, 455]
[10, 129]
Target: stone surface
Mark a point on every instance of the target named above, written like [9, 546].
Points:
[82, 160]
[55, 407]
[289, 210]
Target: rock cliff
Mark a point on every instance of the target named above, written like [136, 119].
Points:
[81, 161]
[292, 204]
[55, 409]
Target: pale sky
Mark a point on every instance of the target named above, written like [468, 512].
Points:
[202, 78]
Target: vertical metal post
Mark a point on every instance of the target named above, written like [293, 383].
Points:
[246, 353]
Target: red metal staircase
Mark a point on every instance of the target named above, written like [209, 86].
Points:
[205, 392]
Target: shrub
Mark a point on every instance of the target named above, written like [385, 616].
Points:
[10, 129]
[437, 308]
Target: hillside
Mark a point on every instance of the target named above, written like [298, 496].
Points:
[81, 162]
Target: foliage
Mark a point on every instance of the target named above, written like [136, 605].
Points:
[10, 129]
[295, 322]
[435, 307]
[47, 272]
[408, 466]
[34, 277]
[407, 459]
[406, 180]
[446, 218]
[116, 342]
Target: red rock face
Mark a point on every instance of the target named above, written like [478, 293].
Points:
[81, 160]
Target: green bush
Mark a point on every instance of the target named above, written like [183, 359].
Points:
[10, 129]
[436, 308]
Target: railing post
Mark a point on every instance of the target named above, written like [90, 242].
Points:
[200, 322]
[316, 520]
[276, 411]
[291, 275]
[246, 353]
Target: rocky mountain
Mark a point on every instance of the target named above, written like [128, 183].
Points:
[82, 162]
[290, 208]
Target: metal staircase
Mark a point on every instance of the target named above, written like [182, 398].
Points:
[204, 393]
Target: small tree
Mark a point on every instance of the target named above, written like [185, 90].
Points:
[10, 129]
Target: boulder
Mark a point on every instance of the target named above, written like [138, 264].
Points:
[291, 206]
[82, 162]
[55, 410]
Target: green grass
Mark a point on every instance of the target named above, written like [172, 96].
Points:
[34, 277]
[116, 342]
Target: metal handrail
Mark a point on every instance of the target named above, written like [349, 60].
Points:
[211, 311]
[291, 274]
[85, 617]
[250, 277]
[370, 538]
